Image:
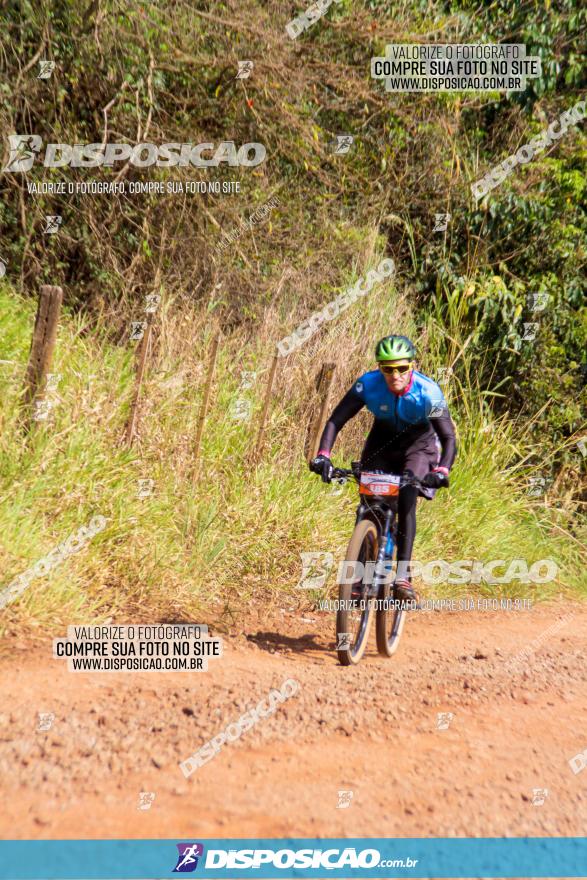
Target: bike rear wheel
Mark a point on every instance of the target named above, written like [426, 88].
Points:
[355, 623]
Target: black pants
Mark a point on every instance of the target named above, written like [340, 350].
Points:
[397, 454]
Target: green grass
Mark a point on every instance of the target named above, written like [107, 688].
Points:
[231, 535]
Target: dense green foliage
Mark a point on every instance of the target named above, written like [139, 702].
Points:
[163, 72]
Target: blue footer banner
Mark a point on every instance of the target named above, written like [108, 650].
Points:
[375, 858]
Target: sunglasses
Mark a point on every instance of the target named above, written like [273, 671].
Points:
[390, 370]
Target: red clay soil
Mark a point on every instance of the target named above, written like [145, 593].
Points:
[371, 730]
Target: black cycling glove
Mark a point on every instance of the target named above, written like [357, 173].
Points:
[323, 466]
[435, 480]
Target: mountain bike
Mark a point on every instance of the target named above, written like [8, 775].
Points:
[372, 544]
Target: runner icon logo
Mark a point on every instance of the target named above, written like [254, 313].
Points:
[52, 223]
[344, 642]
[145, 488]
[146, 798]
[341, 143]
[316, 566]
[137, 330]
[189, 853]
[46, 719]
[244, 69]
[441, 222]
[443, 720]
[46, 68]
[530, 330]
[344, 800]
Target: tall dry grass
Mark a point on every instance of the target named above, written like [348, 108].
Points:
[212, 542]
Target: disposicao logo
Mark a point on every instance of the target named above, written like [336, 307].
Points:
[25, 148]
[189, 853]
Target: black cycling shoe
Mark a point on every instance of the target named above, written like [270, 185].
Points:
[403, 591]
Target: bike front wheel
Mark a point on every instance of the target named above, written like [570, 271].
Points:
[390, 622]
[353, 619]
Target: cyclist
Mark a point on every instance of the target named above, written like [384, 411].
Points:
[412, 434]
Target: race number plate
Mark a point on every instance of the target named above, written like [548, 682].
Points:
[379, 484]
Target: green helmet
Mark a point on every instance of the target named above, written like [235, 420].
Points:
[395, 348]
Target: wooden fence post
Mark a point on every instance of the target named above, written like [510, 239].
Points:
[205, 399]
[266, 402]
[42, 346]
[323, 386]
[142, 360]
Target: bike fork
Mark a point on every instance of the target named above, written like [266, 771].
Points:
[382, 567]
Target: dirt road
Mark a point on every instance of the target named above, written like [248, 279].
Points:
[370, 730]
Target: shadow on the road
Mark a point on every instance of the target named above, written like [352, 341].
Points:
[274, 642]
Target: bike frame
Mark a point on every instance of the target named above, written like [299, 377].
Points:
[383, 515]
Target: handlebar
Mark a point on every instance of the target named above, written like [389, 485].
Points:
[338, 473]
[355, 471]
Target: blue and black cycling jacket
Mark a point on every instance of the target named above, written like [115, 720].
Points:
[415, 417]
